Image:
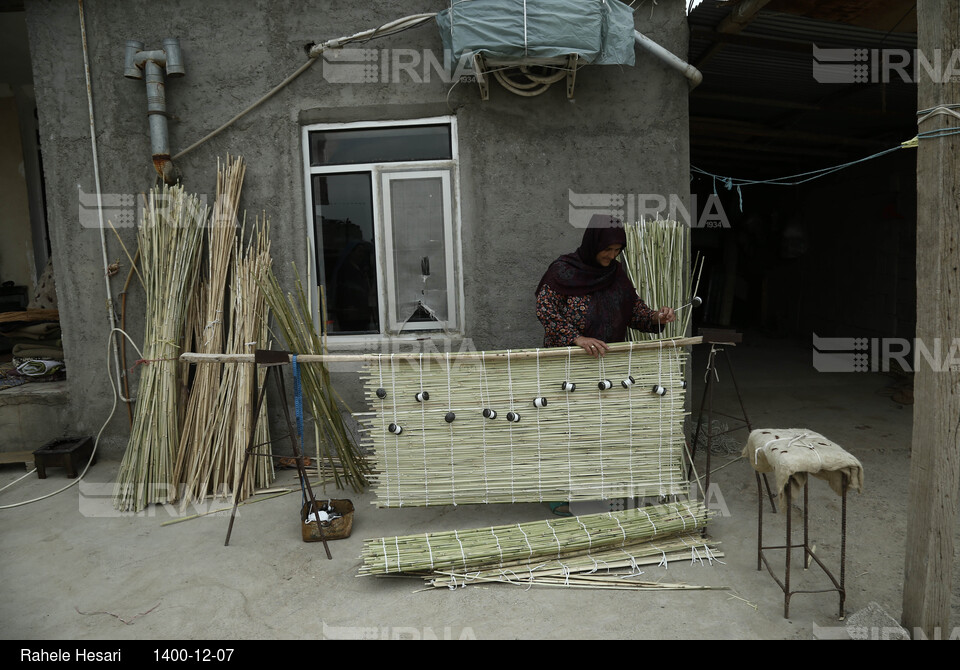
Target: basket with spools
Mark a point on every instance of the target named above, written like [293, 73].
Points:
[335, 517]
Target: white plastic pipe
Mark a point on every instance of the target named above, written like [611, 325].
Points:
[96, 176]
[690, 72]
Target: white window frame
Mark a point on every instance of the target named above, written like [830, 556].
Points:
[393, 320]
[381, 175]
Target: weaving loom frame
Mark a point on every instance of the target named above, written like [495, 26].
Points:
[434, 462]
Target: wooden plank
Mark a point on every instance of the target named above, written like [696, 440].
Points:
[935, 459]
[25, 457]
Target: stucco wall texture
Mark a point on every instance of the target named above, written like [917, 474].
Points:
[624, 132]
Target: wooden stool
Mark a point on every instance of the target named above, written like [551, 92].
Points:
[793, 454]
[68, 452]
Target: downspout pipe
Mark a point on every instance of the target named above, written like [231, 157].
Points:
[140, 64]
[690, 72]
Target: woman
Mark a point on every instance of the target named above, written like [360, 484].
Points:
[586, 298]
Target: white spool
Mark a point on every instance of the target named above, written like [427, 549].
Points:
[605, 385]
[490, 414]
[569, 387]
[540, 402]
[395, 429]
[659, 390]
[628, 382]
[513, 417]
[422, 396]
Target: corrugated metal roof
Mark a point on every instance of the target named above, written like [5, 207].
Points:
[766, 104]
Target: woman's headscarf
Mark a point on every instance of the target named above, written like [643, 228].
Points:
[579, 274]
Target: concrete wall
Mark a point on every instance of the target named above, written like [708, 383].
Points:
[625, 132]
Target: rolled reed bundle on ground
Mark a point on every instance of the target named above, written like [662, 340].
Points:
[170, 240]
[337, 452]
[473, 549]
[434, 444]
[607, 568]
[657, 261]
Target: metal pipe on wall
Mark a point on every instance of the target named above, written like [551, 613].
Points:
[140, 64]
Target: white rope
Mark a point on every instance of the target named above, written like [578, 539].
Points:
[513, 497]
[484, 384]
[569, 428]
[600, 427]
[655, 531]
[383, 426]
[499, 548]
[453, 459]
[429, 548]
[553, 530]
[660, 432]
[622, 530]
[539, 455]
[525, 539]
[462, 554]
[423, 438]
[524, 27]
[633, 486]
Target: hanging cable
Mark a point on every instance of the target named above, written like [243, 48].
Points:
[390, 28]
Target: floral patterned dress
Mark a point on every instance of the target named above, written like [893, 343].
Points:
[564, 317]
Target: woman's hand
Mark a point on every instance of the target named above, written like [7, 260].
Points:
[592, 345]
[665, 315]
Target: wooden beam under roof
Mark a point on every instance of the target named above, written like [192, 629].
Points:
[748, 129]
[884, 15]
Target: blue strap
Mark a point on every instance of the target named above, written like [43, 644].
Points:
[298, 399]
[298, 406]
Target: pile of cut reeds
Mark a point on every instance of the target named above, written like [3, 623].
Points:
[566, 551]
[591, 444]
[170, 238]
[231, 318]
[338, 456]
[657, 261]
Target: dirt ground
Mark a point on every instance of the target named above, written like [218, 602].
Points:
[72, 570]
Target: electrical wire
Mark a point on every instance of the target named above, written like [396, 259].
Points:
[96, 443]
[391, 28]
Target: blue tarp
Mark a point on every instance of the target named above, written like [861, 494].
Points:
[599, 31]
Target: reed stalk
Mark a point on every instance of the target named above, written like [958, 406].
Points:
[532, 542]
[170, 239]
[337, 452]
[657, 260]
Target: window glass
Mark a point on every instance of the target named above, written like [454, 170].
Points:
[419, 249]
[380, 145]
[343, 215]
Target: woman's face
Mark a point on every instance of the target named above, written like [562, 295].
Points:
[607, 256]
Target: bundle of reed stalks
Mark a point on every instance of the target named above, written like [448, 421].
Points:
[198, 437]
[232, 319]
[617, 568]
[436, 441]
[513, 546]
[170, 239]
[338, 455]
[657, 260]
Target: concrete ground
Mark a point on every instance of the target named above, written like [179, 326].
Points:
[73, 569]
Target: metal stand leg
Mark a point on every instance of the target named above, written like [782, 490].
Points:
[273, 360]
[808, 555]
[707, 402]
